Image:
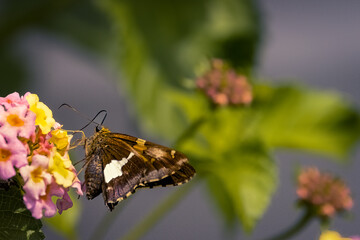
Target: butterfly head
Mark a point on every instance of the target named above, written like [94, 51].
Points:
[92, 142]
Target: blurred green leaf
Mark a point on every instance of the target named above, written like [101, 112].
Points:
[305, 119]
[83, 23]
[66, 223]
[241, 181]
[12, 71]
[249, 176]
[239, 171]
[70, 19]
[16, 221]
[161, 42]
[230, 145]
[18, 16]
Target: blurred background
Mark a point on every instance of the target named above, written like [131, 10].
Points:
[63, 60]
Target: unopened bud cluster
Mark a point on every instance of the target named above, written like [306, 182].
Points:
[224, 86]
[325, 192]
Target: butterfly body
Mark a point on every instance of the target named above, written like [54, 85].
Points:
[118, 164]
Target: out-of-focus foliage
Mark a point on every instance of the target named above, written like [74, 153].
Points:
[78, 21]
[162, 42]
[232, 147]
[16, 221]
[240, 180]
[157, 45]
[318, 121]
[12, 71]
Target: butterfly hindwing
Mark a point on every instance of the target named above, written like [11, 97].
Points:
[181, 172]
[128, 163]
[93, 176]
[161, 162]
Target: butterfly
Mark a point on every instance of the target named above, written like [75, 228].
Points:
[118, 164]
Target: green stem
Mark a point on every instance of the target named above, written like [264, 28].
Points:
[151, 219]
[106, 222]
[297, 227]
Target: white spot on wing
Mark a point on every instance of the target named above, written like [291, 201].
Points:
[113, 169]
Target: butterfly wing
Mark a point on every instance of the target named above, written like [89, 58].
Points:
[128, 163]
[164, 166]
[93, 175]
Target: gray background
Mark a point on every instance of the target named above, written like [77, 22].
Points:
[315, 42]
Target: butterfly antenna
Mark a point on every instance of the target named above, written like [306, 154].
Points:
[92, 120]
[75, 110]
[104, 117]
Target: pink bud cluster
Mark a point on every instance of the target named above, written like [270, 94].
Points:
[224, 86]
[326, 193]
[32, 148]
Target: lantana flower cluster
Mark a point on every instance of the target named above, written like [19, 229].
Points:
[224, 86]
[33, 146]
[326, 193]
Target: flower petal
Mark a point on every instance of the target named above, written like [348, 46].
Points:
[44, 117]
[64, 203]
[6, 170]
[60, 168]
[12, 154]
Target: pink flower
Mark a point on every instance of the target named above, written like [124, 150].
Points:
[31, 141]
[45, 147]
[18, 121]
[36, 177]
[224, 86]
[323, 191]
[13, 100]
[64, 203]
[44, 205]
[12, 154]
[77, 185]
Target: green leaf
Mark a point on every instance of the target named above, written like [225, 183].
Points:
[305, 119]
[16, 221]
[66, 223]
[237, 167]
[231, 143]
[83, 23]
[12, 71]
[79, 21]
[241, 181]
[162, 42]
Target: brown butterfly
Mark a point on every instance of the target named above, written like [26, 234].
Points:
[118, 164]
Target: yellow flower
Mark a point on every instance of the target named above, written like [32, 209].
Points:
[62, 170]
[332, 235]
[60, 138]
[44, 118]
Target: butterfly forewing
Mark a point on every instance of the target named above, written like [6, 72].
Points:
[128, 163]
